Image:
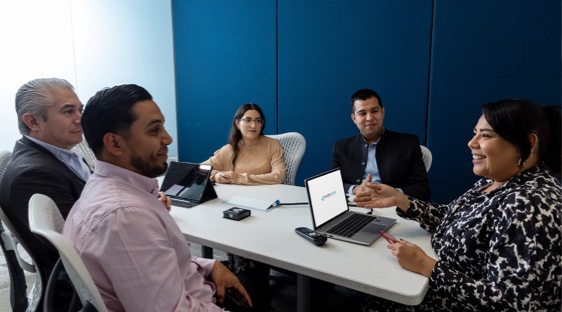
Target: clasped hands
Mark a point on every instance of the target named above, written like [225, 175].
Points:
[409, 256]
[226, 177]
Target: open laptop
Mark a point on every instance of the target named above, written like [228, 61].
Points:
[188, 184]
[331, 215]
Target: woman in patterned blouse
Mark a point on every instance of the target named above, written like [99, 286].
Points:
[498, 246]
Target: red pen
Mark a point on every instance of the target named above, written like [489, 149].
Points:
[389, 238]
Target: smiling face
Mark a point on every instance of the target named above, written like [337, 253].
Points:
[368, 116]
[62, 126]
[492, 156]
[249, 126]
[148, 140]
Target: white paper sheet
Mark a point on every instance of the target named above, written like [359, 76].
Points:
[252, 203]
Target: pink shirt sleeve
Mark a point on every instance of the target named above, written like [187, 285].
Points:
[206, 264]
[146, 268]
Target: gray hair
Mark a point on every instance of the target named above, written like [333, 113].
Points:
[35, 97]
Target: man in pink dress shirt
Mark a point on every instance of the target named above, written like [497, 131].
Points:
[133, 249]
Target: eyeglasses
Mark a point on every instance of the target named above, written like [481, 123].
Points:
[249, 121]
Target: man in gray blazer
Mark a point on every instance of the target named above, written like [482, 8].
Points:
[377, 154]
[49, 113]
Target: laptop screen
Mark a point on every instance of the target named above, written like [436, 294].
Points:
[186, 180]
[327, 196]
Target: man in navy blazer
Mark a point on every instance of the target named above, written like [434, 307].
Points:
[377, 154]
[49, 113]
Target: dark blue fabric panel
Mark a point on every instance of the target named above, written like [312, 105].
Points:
[302, 60]
[484, 51]
[328, 49]
[225, 56]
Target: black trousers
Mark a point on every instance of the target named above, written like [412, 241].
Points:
[255, 279]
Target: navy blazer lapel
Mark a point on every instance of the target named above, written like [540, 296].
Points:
[364, 150]
[41, 149]
[385, 154]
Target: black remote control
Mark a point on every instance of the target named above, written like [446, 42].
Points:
[313, 237]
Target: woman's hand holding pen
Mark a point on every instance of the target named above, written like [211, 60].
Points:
[412, 258]
[409, 256]
[381, 196]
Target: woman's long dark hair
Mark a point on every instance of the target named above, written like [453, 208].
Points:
[236, 135]
[514, 120]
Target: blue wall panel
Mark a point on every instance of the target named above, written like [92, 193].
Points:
[225, 55]
[433, 62]
[328, 49]
[484, 51]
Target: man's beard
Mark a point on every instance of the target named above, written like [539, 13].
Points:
[148, 168]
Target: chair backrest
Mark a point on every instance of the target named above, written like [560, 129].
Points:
[11, 239]
[427, 157]
[84, 149]
[46, 220]
[294, 146]
[5, 157]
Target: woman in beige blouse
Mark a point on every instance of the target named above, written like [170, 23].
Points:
[249, 158]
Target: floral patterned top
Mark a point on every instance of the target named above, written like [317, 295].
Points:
[499, 250]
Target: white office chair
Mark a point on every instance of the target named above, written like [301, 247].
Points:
[85, 150]
[294, 146]
[14, 259]
[427, 157]
[46, 220]
[5, 157]
[11, 240]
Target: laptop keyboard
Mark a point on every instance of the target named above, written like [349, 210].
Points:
[351, 225]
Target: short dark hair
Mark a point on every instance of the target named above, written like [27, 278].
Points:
[363, 95]
[111, 110]
[514, 120]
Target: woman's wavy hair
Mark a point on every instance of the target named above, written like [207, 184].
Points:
[235, 134]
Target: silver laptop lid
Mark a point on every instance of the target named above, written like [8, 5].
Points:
[326, 196]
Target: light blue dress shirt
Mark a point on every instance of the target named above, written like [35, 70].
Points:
[372, 167]
[73, 160]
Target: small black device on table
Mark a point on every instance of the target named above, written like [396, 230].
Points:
[236, 213]
[310, 235]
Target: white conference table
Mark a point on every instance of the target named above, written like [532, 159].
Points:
[269, 237]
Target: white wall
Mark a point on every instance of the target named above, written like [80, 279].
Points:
[91, 43]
